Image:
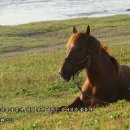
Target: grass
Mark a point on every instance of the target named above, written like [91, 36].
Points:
[31, 79]
[43, 34]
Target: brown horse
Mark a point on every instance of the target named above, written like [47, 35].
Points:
[107, 81]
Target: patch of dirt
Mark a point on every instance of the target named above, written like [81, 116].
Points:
[43, 49]
[32, 50]
[114, 37]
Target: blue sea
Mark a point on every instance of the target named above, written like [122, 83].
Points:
[14, 12]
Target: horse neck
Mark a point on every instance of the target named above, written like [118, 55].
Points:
[99, 63]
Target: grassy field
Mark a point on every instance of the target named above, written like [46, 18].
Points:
[30, 56]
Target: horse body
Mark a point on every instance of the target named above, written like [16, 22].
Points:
[107, 80]
[109, 85]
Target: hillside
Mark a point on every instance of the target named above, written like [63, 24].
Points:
[30, 57]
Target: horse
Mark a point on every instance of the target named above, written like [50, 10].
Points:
[107, 81]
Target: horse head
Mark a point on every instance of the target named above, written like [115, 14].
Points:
[78, 54]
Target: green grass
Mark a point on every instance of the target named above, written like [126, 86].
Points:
[31, 79]
[23, 37]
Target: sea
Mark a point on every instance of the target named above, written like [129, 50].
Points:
[15, 12]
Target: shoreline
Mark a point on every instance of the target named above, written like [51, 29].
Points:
[71, 18]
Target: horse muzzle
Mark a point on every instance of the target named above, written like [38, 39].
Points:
[66, 75]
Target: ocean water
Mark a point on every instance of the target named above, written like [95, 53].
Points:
[14, 12]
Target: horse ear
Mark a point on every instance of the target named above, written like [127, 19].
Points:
[74, 29]
[88, 30]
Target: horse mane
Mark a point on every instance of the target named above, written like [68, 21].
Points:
[95, 43]
[113, 60]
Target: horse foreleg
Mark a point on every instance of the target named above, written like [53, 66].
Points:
[87, 93]
[82, 100]
[77, 103]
